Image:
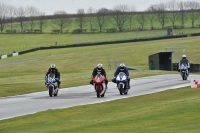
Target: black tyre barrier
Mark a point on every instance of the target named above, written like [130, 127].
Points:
[102, 43]
[193, 67]
[195, 34]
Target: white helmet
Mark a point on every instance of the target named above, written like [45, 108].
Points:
[122, 65]
[183, 57]
[99, 66]
[52, 66]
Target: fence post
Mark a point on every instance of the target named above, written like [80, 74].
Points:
[109, 67]
[115, 64]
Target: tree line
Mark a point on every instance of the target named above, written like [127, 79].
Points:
[122, 15]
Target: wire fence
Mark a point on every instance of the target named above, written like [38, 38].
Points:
[113, 64]
[177, 52]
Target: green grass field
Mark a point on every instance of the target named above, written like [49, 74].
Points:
[20, 42]
[76, 64]
[172, 111]
[163, 112]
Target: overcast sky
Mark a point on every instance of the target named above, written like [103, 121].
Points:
[71, 6]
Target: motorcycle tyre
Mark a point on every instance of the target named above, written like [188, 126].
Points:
[56, 94]
[121, 89]
[98, 91]
[50, 91]
[183, 76]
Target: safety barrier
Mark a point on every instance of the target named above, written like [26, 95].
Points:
[95, 43]
[8, 55]
[193, 67]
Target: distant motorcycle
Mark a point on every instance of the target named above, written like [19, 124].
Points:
[121, 81]
[52, 85]
[184, 71]
[99, 85]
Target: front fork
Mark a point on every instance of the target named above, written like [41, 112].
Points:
[187, 72]
[103, 85]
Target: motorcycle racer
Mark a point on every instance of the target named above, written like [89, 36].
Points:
[99, 69]
[55, 71]
[122, 68]
[184, 60]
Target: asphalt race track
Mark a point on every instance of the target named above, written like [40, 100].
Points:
[82, 95]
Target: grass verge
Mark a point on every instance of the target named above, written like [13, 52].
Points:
[163, 112]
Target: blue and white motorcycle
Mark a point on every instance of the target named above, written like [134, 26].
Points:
[184, 71]
[122, 83]
[52, 84]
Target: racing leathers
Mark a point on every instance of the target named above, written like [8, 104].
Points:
[125, 70]
[184, 61]
[99, 71]
[57, 75]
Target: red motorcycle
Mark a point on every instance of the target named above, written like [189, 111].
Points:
[99, 85]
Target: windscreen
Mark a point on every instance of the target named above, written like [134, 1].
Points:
[51, 75]
[121, 74]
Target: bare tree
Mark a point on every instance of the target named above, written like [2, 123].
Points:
[132, 10]
[161, 14]
[174, 15]
[32, 12]
[101, 19]
[11, 15]
[21, 14]
[120, 16]
[91, 12]
[62, 20]
[3, 13]
[193, 11]
[80, 21]
[41, 20]
[105, 10]
[182, 15]
[142, 19]
[151, 15]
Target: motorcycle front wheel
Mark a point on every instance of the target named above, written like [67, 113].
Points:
[183, 75]
[98, 90]
[56, 93]
[121, 89]
[50, 91]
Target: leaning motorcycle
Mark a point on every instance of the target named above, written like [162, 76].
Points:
[122, 81]
[99, 85]
[52, 85]
[184, 71]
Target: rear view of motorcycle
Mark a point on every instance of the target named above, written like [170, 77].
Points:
[184, 71]
[122, 82]
[52, 85]
[99, 85]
